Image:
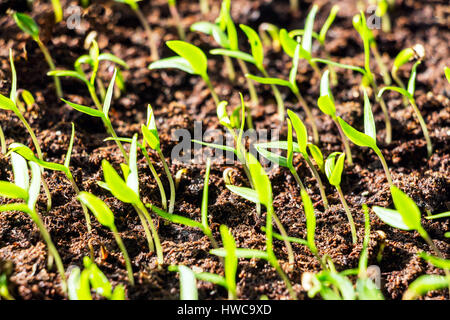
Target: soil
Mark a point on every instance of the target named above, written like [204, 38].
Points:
[179, 100]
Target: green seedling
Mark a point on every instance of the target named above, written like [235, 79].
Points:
[447, 73]
[326, 105]
[261, 194]
[369, 137]
[190, 59]
[151, 137]
[267, 29]
[230, 263]
[359, 23]
[188, 282]
[382, 11]
[424, 284]
[289, 44]
[409, 95]
[406, 217]
[28, 191]
[81, 283]
[25, 152]
[176, 16]
[10, 104]
[292, 85]
[203, 225]
[225, 34]
[133, 4]
[58, 11]
[29, 26]
[406, 55]
[4, 291]
[101, 111]
[301, 146]
[127, 190]
[368, 78]
[256, 58]
[105, 217]
[333, 170]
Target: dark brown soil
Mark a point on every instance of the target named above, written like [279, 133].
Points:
[178, 101]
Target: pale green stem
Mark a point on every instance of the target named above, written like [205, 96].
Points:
[176, 16]
[51, 248]
[152, 45]
[50, 63]
[424, 127]
[387, 119]
[285, 236]
[230, 68]
[385, 166]
[319, 181]
[85, 210]
[349, 214]
[250, 83]
[171, 182]
[309, 115]
[124, 253]
[297, 178]
[213, 92]
[156, 176]
[278, 97]
[2, 140]
[400, 84]
[151, 245]
[159, 252]
[430, 242]
[344, 139]
[383, 69]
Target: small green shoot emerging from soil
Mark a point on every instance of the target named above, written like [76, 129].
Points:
[105, 217]
[28, 190]
[81, 283]
[409, 94]
[29, 26]
[333, 170]
[369, 137]
[148, 30]
[188, 282]
[190, 59]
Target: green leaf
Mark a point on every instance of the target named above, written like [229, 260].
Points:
[255, 44]
[68, 73]
[214, 30]
[289, 46]
[132, 3]
[70, 148]
[188, 284]
[28, 98]
[391, 217]
[97, 278]
[412, 79]
[317, 156]
[340, 65]
[231, 261]
[150, 132]
[118, 187]
[261, 181]
[309, 25]
[100, 210]
[403, 57]
[407, 208]
[20, 171]
[27, 24]
[118, 293]
[369, 122]
[109, 94]
[216, 146]
[290, 150]
[435, 261]
[397, 89]
[194, 55]
[35, 185]
[20, 207]
[334, 168]
[300, 130]
[173, 62]
[325, 89]
[78, 285]
[367, 290]
[424, 284]
[7, 104]
[310, 220]
[211, 277]
[447, 73]
[242, 253]
[326, 105]
[234, 54]
[10, 190]
[342, 283]
[112, 58]
[89, 111]
[246, 193]
[264, 80]
[358, 138]
[222, 114]
[132, 177]
[328, 23]
[176, 218]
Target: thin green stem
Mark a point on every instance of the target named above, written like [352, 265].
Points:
[319, 181]
[297, 178]
[385, 166]
[152, 44]
[176, 16]
[50, 63]
[230, 68]
[309, 115]
[51, 247]
[157, 178]
[85, 210]
[278, 97]
[110, 130]
[159, 252]
[387, 119]
[399, 83]
[250, 84]
[383, 69]
[144, 223]
[349, 214]
[424, 127]
[285, 236]
[2, 140]
[344, 139]
[430, 242]
[124, 253]
[211, 88]
[171, 182]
